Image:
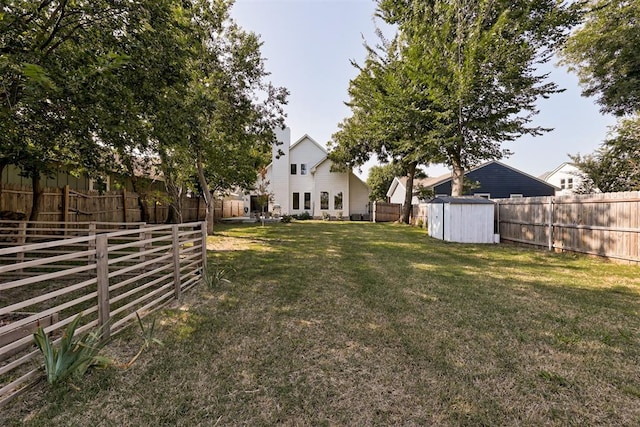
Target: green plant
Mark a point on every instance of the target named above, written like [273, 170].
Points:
[304, 216]
[218, 276]
[339, 215]
[148, 340]
[74, 355]
[326, 216]
[286, 219]
[420, 223]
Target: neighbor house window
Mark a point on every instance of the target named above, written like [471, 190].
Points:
[324, 200]
[515, 196]
[483, 195]
[303, 168]
[337, 201]
[307, 200]
[563, 184]
[294, 170]
[296, 201]
[570, 183]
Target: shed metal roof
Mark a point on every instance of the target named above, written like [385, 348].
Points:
[461, 200]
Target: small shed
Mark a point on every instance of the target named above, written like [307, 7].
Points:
[461, 219]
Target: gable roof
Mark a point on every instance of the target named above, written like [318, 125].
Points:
[545, 176]
[447, 177]
[306, 136]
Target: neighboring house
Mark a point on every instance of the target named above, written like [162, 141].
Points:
[566, 177]
[300, 180]
[398, 189]
[494, 180]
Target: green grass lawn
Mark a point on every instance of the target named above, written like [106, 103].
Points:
[339, 323]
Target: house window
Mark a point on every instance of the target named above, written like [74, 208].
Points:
[563, 184]
[293, 169]
[307, 200]
[337, 201]
[324, 200]
[303, 168]
[569, 183]
[483, 195]
[296, 201]
[515, 196]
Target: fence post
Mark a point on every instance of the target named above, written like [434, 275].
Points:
[102, 276]
[550, 213]
[176, 260]
[91, 244]
[21, 240]
[65, 207]
[373, 212]
[124, 205]
[142, 236]
[203, 231]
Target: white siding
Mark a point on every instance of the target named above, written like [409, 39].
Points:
[358, 196]
[278, 174]
[399, 193]
[469, 223]
[565, 172]
[333, 183]
[304, 151]
[464, 223]
[435, 217]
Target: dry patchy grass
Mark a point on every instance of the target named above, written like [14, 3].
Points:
[368, 324]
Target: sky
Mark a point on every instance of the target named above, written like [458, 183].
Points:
[309, 46]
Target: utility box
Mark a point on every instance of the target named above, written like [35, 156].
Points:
[461, 219]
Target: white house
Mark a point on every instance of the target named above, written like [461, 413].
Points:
[300, 180]
[398, 188]
[566, 177]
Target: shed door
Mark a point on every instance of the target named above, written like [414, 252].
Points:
[436, 220]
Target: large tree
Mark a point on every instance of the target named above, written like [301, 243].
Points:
[391, 117]
[229, 110]
[477, 61]
[615, 166]
[604, 53]
[50, 53]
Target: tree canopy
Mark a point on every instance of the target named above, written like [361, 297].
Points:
[615, 166]
[174, 81]
[604, 54]
[477, 59]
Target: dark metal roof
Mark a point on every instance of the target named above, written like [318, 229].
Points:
[461, 200]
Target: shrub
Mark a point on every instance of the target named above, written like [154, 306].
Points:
[286, 218]
[304, 216]
[74, 355]
[326, 216]
[339, 216]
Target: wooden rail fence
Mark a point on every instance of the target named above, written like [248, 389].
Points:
[606, 224]
[107, 276]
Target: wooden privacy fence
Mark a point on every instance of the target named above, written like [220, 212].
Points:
[108, 277]
[385, 212]
[67, 205]
[604, 224]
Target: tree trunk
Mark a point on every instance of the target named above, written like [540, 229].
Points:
[207, 196]
[408, 195]
[175, 206]
[142, 199]
[3, 164]
[457, 179]
[36, 195]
